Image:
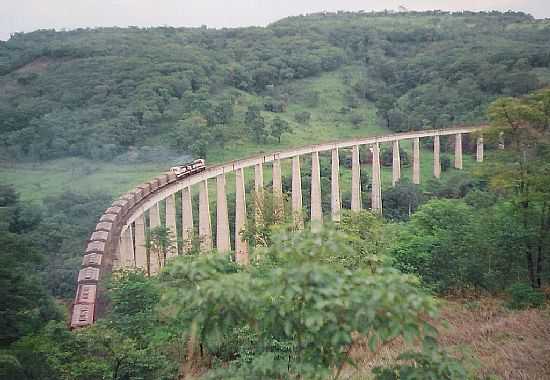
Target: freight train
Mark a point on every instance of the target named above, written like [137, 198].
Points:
[84, 307]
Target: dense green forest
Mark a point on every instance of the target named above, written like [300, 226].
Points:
[96, 93]
[453, 269]
[343, 294]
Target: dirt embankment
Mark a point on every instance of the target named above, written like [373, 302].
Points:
[506, 344]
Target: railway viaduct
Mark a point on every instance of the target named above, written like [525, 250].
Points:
[119, 240]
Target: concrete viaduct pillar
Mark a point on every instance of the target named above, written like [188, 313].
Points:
[316, 209]
[501, 140]
[479, 150]
[396, 163]
[126, 247]
[133, 243]
[241, 246]
[335, 186]
[140, 251]
[355, 180]
[186, 220]
[205, 226]
[223, 242]
[376, 197]
[458, 151]
[154, 216]
[437, 158]
[259, 193]
[297, 194]
[278, 203]
[154, 222]
[171, 224]
[416, 161]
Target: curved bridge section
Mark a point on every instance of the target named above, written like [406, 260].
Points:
[119, 240]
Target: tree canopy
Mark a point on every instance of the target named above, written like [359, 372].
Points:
[97, 92]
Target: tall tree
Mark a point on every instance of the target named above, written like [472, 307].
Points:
[278, 127]
[160, 243]
[526, 173]
[384, 105]
[256, 124]
[24, 304]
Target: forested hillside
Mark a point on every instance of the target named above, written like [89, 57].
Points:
[447, 284]
[450, 282]
[97, 92]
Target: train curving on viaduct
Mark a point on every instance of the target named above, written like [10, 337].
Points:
[119, 240]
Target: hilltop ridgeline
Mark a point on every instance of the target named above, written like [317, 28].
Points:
[97, 92]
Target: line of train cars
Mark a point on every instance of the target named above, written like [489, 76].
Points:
[102, 241]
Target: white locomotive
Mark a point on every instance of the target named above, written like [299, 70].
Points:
[184, 170]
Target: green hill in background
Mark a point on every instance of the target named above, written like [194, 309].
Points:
[160, 95]
[96, 92]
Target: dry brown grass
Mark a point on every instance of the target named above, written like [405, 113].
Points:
[507, 344]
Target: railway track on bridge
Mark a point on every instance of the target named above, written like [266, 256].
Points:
[119, 237]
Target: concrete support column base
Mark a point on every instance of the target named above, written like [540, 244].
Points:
[186, 220]
[316, 208]
[396, 163]
[171, 225]
[458, 151]
[297, 211]
[479, 150]
[416, 161]
[437, 158]
[376, 197]
[223, 242]
[205, 226]
[278, 202]
[241, 245]
[335, 186]
[355, 180]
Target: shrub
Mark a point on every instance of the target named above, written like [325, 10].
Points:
[441, 244]
[480, 199]
[401, 201]
[356, 119]
[306, 325]
[272, 105]
[302, 117]
[524, 296]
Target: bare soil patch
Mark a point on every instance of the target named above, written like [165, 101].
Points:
[38, 65]
[506, 344]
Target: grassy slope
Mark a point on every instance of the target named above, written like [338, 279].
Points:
[35, 181]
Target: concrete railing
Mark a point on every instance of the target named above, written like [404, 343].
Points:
[119, 240]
